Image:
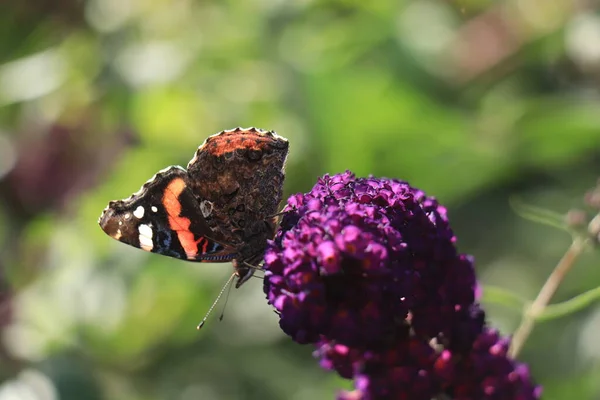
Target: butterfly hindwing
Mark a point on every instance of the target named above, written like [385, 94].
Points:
[164, 217]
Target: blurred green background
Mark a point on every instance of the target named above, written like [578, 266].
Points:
[473, 101]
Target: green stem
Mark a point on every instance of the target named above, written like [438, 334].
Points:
[545, 295]
[570, 306]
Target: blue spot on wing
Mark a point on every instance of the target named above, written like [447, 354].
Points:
[218, 253]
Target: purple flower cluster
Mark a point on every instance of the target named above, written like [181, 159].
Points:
[367, 270]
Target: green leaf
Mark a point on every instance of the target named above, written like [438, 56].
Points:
[570, 306]
[538, 214]
[503, 297]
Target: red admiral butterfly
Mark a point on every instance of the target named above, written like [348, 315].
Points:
[222, 208]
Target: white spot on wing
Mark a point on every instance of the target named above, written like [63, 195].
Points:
[145, 237]
[139, 212]
[154, 209]
[206, 208]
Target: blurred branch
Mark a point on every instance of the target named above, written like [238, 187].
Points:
[545, 295]
[570, 306]
[538, 214]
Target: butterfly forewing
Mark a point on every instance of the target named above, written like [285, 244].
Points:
[164, 217]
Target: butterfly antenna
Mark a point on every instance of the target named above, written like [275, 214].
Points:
[227, 284]
[226, 300]
[282, 212]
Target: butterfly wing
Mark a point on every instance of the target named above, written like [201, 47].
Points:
[164, 217]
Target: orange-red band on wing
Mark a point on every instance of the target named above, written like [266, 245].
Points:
[181, 224]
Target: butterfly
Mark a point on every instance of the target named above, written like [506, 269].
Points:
[221, 208]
